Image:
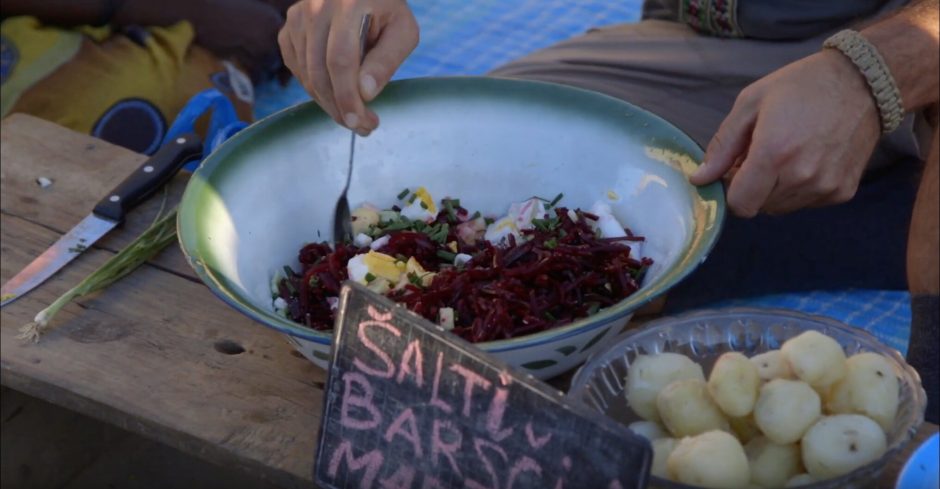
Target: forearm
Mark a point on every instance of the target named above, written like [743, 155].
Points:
[909, 42]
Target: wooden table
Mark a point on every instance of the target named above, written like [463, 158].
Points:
[152, 354]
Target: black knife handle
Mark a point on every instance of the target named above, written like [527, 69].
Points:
[155, 172]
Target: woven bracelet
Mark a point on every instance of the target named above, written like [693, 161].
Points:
[873, 67]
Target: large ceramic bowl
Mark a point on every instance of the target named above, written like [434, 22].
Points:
[261, 195]
[703, 336]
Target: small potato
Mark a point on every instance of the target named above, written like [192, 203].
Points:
[744, 428]
[687, 410]
[800, 480]
[734, 384]
[815, 358]
[648, 429]
[839, 444]
[869, 387]
[772, 365]
[649, 374]
[712, 459]
[662, 447]
[771, 464]
[785, 409]
[362, 218]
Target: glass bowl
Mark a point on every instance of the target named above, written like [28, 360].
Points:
[705, 335]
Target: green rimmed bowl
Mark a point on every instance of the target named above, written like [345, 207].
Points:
[271, 188]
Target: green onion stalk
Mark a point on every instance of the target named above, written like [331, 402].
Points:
[158, 236]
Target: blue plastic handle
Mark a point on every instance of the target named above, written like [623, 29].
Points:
[224, 122]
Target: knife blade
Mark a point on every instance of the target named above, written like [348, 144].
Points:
[107, 214]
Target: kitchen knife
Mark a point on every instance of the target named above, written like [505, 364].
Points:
[109, 212]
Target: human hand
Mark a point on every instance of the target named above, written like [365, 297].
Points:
[320, 44]
[799, 137]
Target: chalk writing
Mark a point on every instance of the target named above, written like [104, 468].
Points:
[410, 406]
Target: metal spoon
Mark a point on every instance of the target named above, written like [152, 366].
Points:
[342, 217]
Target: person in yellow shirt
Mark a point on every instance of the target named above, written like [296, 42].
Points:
[121, 70]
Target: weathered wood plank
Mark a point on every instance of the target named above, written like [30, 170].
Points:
[83, 169]
[142, 355]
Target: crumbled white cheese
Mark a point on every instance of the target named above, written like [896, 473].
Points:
[362, 240]
[379, 243]
[462, 259]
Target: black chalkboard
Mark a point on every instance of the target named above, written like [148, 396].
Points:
[409, 405]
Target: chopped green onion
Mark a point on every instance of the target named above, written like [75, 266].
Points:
[556, 200]
[403, 194]
[488, 220]
[551, 243]
[369, 277]
[288, 272]
[476, 215]
[412, 199]
[314, 280]
[446, 255]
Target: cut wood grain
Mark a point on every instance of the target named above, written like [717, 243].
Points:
[83, 169]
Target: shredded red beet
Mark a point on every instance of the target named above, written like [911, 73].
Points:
[560, 272]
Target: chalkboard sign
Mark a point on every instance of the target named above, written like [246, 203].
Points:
[409, 405]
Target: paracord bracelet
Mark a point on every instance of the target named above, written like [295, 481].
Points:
[873, 67]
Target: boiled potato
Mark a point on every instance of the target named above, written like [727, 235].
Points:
[734, 384]
[800, 480]
[649, 374]
[839, 444]
[687, 409]
[785, 409]
[648, 429]
[744, 428]
[662, 447]
[815, 358]
[362, 218]
[772, 465]
[869, 387]
[772, 365]
[712, 459]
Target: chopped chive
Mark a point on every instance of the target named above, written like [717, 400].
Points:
[476, 215]
[488, 220]
[403, 223]
[314, 280]
[369, 277]
[551, 243]
[403, 194]
[411, 200]
[288, 271]
[455, 202]
[423, 205]
[446, 255]
[556, 200]
[290, 287]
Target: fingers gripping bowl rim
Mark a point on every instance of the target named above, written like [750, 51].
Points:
[704, 335]
[453, 135]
